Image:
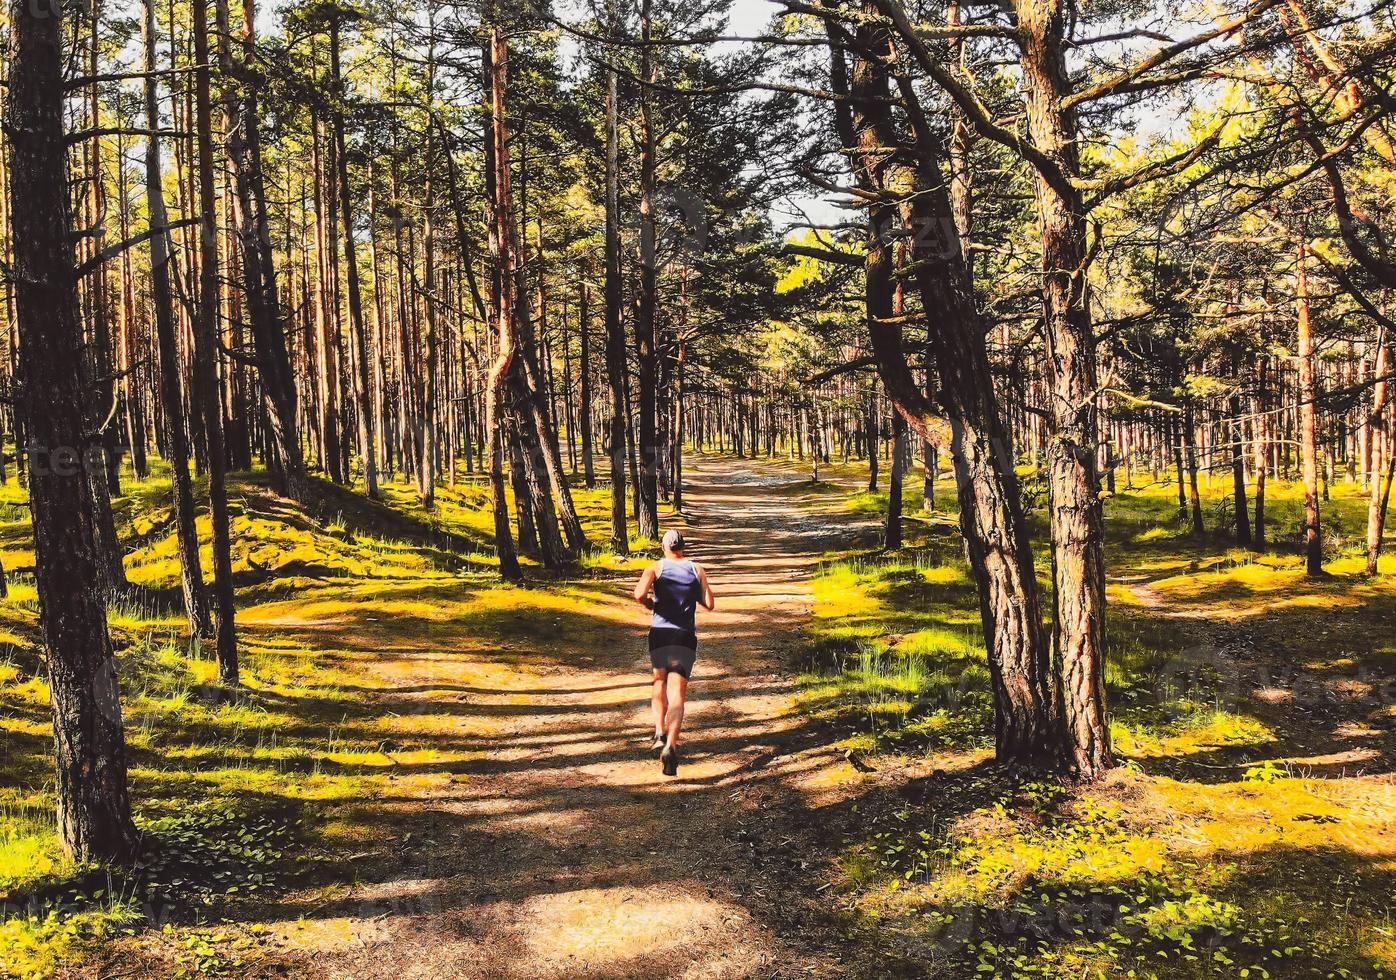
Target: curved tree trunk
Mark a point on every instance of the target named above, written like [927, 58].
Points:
[991, 518]
[496, 65]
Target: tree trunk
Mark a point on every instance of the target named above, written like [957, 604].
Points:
[991, 520]
[186, 532]
[584, 366]
[523, 499]
[1194, 498]
[206, 386]
[615, 334]
[871, 425]
[133, 394]
[326, 308]
[1379, 438]
[1242, 513]
[1078, 555]
[1308, 441]
[379, 333]
[892, 536]
[496, 64]
[648, 306]
[1175, 432]
[568, 404]
[94, 810]
[362, 387]
[278, 381]
[542, 438]
[426, 447]
[678, 433]
[1262, 451]
[101, 452]
[106, 543]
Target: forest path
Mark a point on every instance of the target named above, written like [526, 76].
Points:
[563, 851]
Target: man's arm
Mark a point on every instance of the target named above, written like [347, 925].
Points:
[707, 599]
[642, 588]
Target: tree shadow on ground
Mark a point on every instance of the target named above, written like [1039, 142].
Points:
[1326, 706]
[1286, 911]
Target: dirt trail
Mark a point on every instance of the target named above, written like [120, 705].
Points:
[565, 852]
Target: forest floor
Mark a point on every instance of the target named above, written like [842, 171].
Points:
[549, 844]
[432, 774]
[457, 771]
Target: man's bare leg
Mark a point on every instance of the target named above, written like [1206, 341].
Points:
[673, 722]
[659, 700]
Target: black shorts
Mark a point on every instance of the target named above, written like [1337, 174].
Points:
[673, 649]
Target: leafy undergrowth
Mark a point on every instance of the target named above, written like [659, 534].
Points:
[1250, 829]
[194, 866]
[238, 798]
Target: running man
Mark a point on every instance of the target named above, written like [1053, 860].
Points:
[672, 588]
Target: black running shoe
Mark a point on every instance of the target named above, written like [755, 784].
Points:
[659, 742]
[669, 758]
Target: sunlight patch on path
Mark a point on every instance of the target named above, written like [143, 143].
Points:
[594, 930]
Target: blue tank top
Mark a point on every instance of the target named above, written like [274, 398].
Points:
[676, 592]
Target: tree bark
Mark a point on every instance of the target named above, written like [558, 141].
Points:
[1378, 437]
[541, 440]
[648, 306]
[871, 421]
[1242, 515]
[1175, 433]
[362, 386]
[186, 531]
[892, 533]
[1194, 497]
[426, 447]
[206, 334]
[1308, 439]
[133, 393]
[584, 367]
[1262, 450]
[678, 430]
[991, 520]
[326, 306]
[244, 153]
[94, 810]
[1078, 553]
[615, 332]
[496, 64]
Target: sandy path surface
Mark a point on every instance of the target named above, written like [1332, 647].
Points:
[565, 852]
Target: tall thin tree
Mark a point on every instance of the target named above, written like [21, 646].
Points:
[94, 809]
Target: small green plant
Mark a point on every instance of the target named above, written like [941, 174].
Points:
[1267, 772]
